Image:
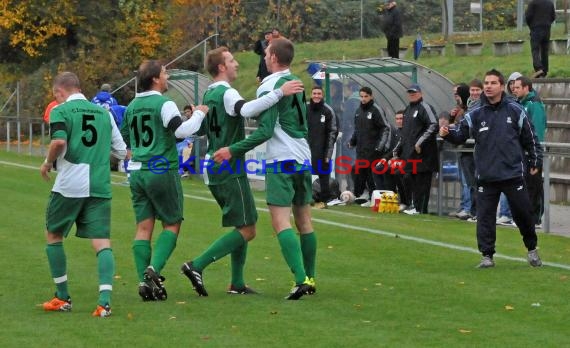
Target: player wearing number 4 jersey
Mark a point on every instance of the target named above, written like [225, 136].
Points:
[284, 127]
[151, 126]
[83, 135]
[224, 125]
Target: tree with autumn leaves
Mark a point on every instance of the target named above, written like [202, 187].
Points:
[105, 40]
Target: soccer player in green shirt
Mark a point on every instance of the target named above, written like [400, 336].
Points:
[288, 180]
[82, 136]
[224, 125]
[151, 126]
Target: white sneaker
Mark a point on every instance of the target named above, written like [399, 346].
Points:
[402, 207]
[463, 215]
[335, 201]
[504, 220]
[366, 204]
[412, 211]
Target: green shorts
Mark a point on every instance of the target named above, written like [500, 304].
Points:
[91, 215]
[236, 200]
[284, 189]
[157, 196]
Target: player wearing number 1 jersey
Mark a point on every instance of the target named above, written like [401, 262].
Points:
[224, 125]
[82, 136]
[151, 126]
[284, 127]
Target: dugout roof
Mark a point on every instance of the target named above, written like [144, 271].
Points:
[389, 78]
[186, 87]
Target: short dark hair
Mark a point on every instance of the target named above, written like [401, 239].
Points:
[283, 50]
[214, 58]
[525, 82]
[187, 107]
[148, 70]
[400, 112]
[316, 87]
[445, 115]
[495, 72]
[366, 90]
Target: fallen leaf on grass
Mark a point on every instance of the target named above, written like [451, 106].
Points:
[130, 316]
[273, 312]
[366, 321]
[171, 318]
[330, 247]
[378, 284]
[117, 276]
[464, 331]
[509, 308]
[260, 279]
[181, 302]
[461, 283]
[536, 304]
[564, 277]
[267, 258]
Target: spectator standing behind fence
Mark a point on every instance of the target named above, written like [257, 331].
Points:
[535, 110]
[418, 143]
[370, 128]
[259, 49]
[104, 98]
[539, 17]
[392, 27]
[349, 107]
[323, 130]
[502, 132]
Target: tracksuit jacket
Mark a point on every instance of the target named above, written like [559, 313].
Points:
[371, 131]
[419, 128]
[502, 133]
[323, 130]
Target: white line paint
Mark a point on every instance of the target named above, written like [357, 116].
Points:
[350, 227]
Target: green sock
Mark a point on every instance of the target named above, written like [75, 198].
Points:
[58, 267]
[291, 250]
[142, 252]
[309, 249]
[238, 262]
[220, 248]
[106, 268]
[163, 248]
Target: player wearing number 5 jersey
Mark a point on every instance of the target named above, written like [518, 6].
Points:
[82, 136]
[284, 127]
[151, 126]
[224, 125]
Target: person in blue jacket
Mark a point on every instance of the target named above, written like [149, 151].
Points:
[502, 132]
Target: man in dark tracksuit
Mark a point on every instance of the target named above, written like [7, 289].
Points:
[539, 17]
[502, 133]
[323, 130]
[418, 142]
[370, 128]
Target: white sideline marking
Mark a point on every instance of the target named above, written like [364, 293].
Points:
[351, 227]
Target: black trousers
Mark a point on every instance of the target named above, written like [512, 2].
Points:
[363, 179]
[393, 47]
[418, 188]
[539, 44]
[535, 194]
[487, 200]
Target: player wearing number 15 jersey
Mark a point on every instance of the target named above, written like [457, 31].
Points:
[82, 136]
[224, 125]
[150, 128]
